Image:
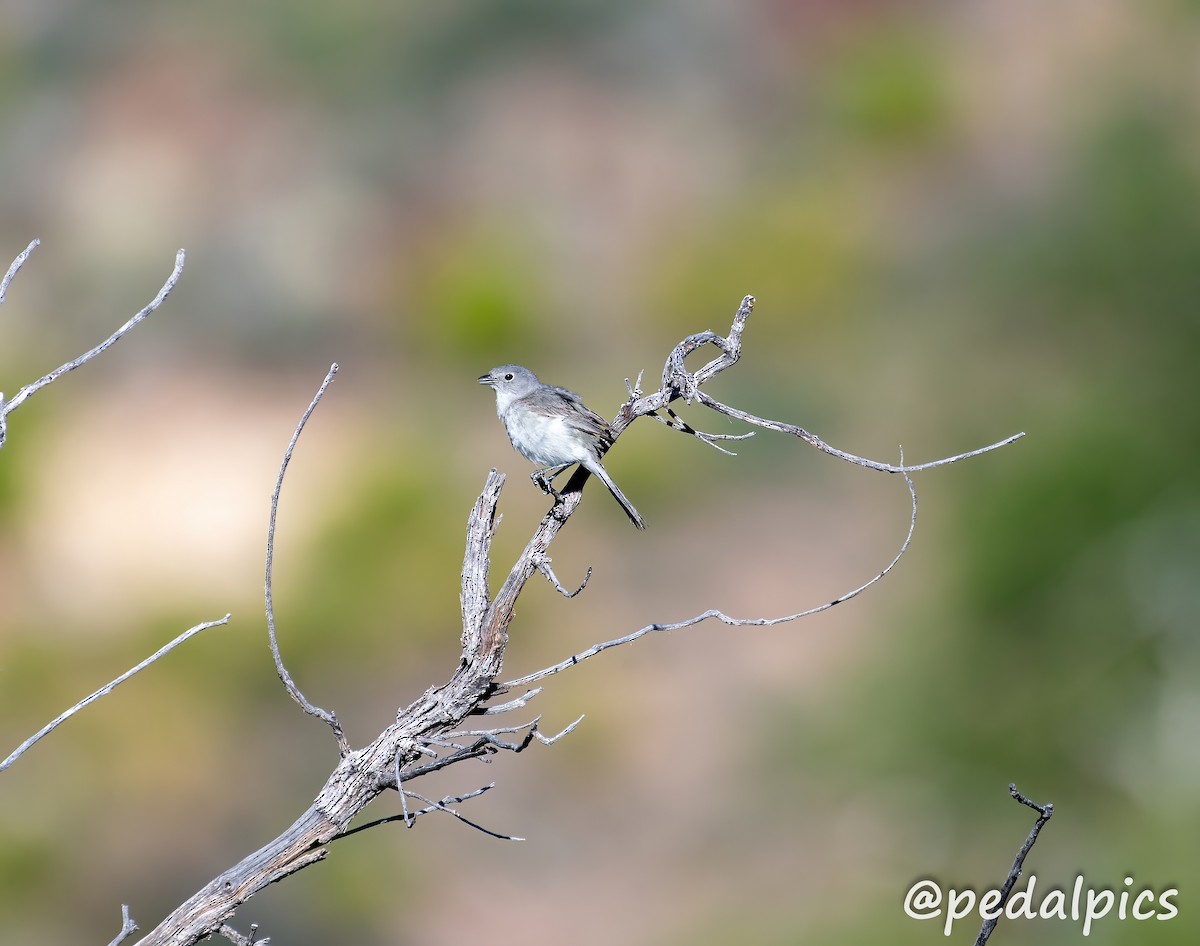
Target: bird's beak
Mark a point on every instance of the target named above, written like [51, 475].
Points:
[486, 379]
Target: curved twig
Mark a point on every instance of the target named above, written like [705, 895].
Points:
[721, 616]
[289, 684]
[16, 267]
[814, 440]
[401, 752]
[678, 382]
[544, 566]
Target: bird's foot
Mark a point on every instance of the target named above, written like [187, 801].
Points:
[542, 479]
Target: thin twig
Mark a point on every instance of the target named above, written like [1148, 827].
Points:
[495, 731]
[814, 440]
[1045, 812]
[543, 565]
[243, 939]
[487, 743]
[675, 422]
[445, 803]
[128, 927]
[400, 788]
[7, 408]
[678, 382]
[479, 750]
[408, 818]
[531, 732]
[106, 689]
[16, 267]
[288, 682]
[511, 704]
[713, 613]
[392, 759]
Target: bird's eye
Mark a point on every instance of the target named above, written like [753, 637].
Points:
[508, 376]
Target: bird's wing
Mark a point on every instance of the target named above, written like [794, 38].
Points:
[567, 395]
[570, 407]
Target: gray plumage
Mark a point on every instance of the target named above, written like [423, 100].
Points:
[551, 427]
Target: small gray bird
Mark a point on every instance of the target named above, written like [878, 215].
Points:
[551, 427]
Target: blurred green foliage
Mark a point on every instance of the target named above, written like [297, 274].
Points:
[888, 87]
[479, 294]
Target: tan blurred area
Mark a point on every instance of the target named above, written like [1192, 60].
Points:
[960, 221]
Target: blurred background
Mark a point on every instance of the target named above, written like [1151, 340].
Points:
[960, 220]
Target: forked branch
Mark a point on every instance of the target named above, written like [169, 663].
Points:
[1045, 812]
[428, 735]
[128, 926]
[717, 615]
[678, 382]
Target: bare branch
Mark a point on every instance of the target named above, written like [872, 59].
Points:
[106, 689]
[814, 440]
[359, 777]
[408, 818]
[675, 422]
[422, 739]
[531, 732]
[487, 742]
[307, 859]
[511, 704]
[243, 939]
[445, 803]
[16, 268]
[481, 749]
[128, 927]
[678, 382]
[474, 597]
[1046, 811]
[27, 390]
[543, 566]
[1044, 814]
[404, 813]
[288, 682]
[721, 616]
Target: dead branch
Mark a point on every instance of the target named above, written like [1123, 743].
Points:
[427, 734]
[363, 774]
[288, 683]
[243, 939]
[128, 927]
[16, 267]
[1044, 814]
[678, 382]
[8, 407]
[444, 805]
[106, 689]
[714, 614]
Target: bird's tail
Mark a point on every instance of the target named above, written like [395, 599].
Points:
[634, 516]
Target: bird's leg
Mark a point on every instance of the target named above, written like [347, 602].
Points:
[543, 478]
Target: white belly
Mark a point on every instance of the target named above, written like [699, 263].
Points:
[547, 441]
